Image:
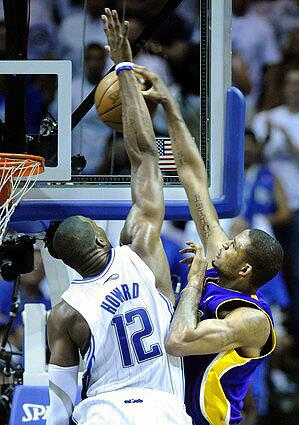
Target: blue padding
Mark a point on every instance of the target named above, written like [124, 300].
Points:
[29, 405]
[29, 226]
[228, 205]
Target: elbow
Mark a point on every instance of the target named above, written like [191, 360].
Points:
[173, 346]
[176, 344]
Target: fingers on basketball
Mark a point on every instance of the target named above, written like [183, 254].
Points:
[108, 102]
[144, 72]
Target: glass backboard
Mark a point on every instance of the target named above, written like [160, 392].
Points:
[201, 83]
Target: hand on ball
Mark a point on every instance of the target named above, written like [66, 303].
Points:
[159, 92]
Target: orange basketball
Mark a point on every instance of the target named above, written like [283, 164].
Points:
[108, 102]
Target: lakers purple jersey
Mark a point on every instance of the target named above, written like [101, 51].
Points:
[216, 384]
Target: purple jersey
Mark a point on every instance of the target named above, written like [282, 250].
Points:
[216, 384]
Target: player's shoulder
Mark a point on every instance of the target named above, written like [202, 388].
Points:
[62, 317]
[123, 252]
[261, 23]
[252, 324]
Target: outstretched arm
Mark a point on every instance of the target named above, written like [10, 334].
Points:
[190, 166]
[188, 335]
[143, 225]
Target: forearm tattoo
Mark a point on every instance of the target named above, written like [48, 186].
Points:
[201, 214]
[178, 153]
[186, 314]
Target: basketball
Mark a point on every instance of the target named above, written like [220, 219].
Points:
[108, 102]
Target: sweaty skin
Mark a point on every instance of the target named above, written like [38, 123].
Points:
[245, 329]
[234, 330]
[68, 332]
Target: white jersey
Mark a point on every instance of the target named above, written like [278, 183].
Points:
[128, 319]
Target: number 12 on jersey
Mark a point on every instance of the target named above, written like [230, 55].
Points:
[121, 324]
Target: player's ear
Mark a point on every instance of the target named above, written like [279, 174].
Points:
[245, 270]
[100, 242]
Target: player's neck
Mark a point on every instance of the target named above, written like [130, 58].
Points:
[96, 263]
[235, 285]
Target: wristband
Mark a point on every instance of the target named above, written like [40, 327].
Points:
[124, 66]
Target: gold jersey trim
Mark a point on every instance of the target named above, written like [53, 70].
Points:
[272, 331]
[214, 405]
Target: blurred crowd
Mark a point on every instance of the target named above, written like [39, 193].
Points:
[265, 67]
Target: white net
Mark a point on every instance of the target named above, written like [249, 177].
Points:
[17, 178]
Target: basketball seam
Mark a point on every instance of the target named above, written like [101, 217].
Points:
[113, 122]
[111, 109]
[111, 85]
[151, 107]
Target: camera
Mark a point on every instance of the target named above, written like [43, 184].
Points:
[16, 256]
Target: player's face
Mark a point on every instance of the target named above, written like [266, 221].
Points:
[250, 152]
[95, 60]
[231, 257]
[291, 87]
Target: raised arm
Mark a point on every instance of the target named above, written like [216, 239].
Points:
[190, 166]
[244, 327]
[143, 225]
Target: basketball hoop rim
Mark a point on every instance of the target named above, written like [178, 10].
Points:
[10, 160]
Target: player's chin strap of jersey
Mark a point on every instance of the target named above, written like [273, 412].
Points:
[62, 391]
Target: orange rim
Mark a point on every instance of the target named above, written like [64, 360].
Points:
[5, 192]
[28, 162]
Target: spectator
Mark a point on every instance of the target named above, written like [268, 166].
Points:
[263, 193]
[40, 92]
[186, 88]
[116, 161]
[148, 56]
[151, 56]
[280, 128]
[2, 41]
[257, 48]
[72, 35]
[284, 19]
[32, 290]
[291, 52]
[290, 60]
[188, 10]
[42, 33]
[90, 137]
[240, 74]
[176, 27]
[64, 8]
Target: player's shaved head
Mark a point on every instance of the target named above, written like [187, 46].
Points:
[78, 240]
[265, 255]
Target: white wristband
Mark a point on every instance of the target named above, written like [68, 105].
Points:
[124, 66]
